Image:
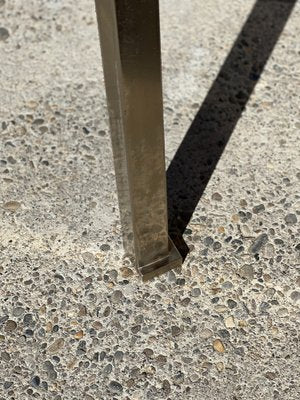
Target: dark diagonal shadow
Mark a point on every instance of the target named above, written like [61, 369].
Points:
[205, 141]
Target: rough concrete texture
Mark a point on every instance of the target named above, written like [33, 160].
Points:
[75, 321]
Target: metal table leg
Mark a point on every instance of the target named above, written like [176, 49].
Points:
[130, 45]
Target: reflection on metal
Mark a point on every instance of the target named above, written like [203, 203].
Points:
[130, 46]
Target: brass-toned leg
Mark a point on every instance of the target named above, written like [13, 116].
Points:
[130, 45]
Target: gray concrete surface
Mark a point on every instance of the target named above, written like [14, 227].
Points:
[76, 322]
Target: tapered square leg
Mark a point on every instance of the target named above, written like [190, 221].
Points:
[130, 46]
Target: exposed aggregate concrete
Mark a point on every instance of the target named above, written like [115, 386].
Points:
[76, 322]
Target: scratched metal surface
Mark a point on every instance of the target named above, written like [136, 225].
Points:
[130, 41]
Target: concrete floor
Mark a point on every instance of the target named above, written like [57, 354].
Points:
[75, 320]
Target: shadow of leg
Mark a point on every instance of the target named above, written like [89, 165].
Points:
[205, 141]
